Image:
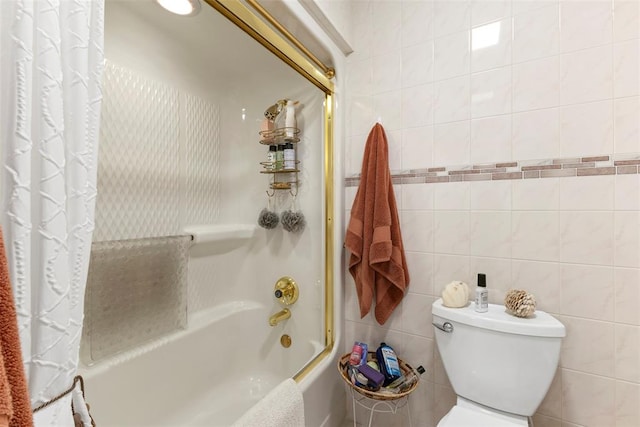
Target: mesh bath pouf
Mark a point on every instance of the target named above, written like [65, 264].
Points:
[268, 218]
[293, 220]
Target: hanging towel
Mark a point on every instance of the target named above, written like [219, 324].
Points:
[377, 261]
[14, 395]
[282, 407]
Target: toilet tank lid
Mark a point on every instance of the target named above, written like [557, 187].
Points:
[540, 324]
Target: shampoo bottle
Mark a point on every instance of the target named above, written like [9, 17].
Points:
[482, 295]
[388, 362]
[289, 156]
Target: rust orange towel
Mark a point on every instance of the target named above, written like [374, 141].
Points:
[377, 261]
[14, 397]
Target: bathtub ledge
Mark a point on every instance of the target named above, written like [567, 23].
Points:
[210, 233]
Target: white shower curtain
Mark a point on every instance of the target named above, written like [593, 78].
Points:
[52, 61]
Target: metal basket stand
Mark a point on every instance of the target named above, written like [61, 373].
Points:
[380, 406]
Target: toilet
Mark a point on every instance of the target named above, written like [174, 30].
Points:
[500, 366]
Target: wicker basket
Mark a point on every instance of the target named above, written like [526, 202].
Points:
[405, 367]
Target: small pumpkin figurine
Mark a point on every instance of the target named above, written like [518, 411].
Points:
[455, 294]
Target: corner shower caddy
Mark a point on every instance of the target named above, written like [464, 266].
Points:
[281, 179]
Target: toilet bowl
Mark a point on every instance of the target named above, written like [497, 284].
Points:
[500, 366]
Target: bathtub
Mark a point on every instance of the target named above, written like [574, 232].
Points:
[194, 377]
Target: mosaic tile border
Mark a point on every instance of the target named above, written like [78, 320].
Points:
[552, 168]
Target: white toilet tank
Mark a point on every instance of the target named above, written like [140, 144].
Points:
[496, 359]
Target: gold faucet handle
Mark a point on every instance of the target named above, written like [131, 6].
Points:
[286, 290]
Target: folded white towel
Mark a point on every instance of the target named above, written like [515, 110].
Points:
[282, 407]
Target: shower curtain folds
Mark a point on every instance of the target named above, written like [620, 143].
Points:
[52, 60]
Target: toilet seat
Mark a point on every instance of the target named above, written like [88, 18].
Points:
[468, 414]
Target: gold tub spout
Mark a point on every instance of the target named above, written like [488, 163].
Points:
[279, 316]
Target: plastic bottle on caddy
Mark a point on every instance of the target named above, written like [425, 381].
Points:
[289, 156]
[271, 158]
[290, 121]
[279, 164]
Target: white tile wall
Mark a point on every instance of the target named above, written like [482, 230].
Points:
[586, 129]
[386, 25]
[536, 195]
[536, 235]
[542, 279]
[625, 24]
[491, 139]
[491, 45]
[582, 333]
[417, 147]
[586, 237]
[585, 75]
[585, 24]
[536, 134]
[587, 291]
[451, 55]
[625, 68]
[417, 106]
[626, 126]
[559, 79]
[450, 17]
[417, 64]
[451, 100]
[490, 233]
[490, 196]
[491, 93]
[588, 400]
[488, 11]
[536, 84]
[536, 34]
[451, 232]
[453, 197]
[452, 143]
[588, 193]
[417, 22]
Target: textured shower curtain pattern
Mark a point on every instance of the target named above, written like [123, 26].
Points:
[51, 107]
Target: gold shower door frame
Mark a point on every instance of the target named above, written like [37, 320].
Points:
[259, 30]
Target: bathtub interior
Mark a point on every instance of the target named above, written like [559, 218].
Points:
[204, 70]
[195, 377]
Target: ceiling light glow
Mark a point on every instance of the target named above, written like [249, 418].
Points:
[181, 7]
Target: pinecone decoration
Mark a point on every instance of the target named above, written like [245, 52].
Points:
[520, 303]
